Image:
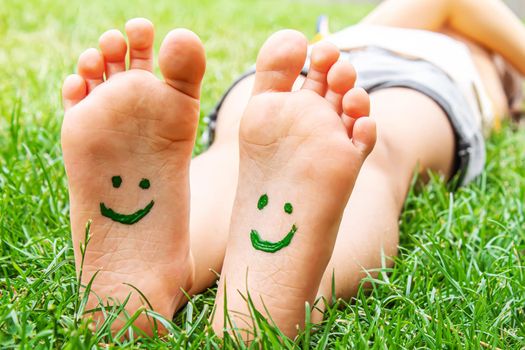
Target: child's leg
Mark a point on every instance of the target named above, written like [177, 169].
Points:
[213, 179]
[386, 174]
[127, 139]
[298, 165]
[413, 134]
[412, 129]
[490, 22]
[117, 249]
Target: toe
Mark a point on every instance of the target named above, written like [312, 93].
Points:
[364, 135]
[280, 61]
[341, 78]
[113, 47]
[73, 90]
[356, 104]
[140, 34]
[324, 55]
[91, 68]
[182, 61]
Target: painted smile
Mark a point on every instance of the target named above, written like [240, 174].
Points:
[267, 246]
[129, 219]
[271, 247]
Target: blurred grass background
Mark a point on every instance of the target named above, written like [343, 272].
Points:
[46, 37]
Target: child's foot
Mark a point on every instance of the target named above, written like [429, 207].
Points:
[299, 159]
[127, 142]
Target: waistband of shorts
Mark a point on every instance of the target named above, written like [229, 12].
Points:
[379, 68]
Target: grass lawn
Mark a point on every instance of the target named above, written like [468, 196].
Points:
[458, 282]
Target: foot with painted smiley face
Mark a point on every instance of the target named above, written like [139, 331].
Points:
[300, 154]
[127, 140]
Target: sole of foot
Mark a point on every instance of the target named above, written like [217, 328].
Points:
[127, 139]
[300, 154]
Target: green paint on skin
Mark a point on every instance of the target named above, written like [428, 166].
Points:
[267, 246]
[117, 181]
[127, 219]
[288, 208]
[271, 247]
[144, 184]
[263, 201]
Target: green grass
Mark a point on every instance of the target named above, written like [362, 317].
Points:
[458, 281]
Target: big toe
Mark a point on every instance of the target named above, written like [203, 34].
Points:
[280, 61]
[182, 61]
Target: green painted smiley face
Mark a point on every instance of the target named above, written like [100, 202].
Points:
[267, 246]
[126, 219]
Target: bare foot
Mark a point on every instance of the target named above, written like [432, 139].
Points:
[300, 154]
[127, 142]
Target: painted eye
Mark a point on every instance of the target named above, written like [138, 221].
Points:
[116, 181]
[144, 184]
[288, 208]
[263, 201]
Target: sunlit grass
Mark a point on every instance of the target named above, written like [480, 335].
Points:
[458, 281]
